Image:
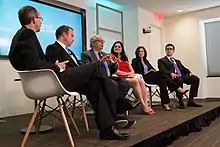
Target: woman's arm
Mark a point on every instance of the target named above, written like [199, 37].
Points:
[130, 68]
[122, 73]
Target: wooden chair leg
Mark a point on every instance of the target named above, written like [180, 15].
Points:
[84, 116]
[29, 127]
[40, 117]
[71, 118]
[150, 96]
[175, 99]
[66, 126]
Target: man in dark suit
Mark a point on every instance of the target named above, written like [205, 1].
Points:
[107, 69]
[59, 52]
[26, 54]
[142, 66]
[180, 74]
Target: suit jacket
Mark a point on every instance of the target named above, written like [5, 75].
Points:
[90, 57]
[138, 66]
[26, 52]
[56, 52]
[164, 64]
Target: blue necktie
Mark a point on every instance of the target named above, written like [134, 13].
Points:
[176, 67]
[102, 66]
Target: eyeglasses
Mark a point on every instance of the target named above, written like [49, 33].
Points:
[101, 41]
[41, 19]
[169, 48]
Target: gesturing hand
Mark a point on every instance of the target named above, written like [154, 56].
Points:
[62, 65]
[105, 58]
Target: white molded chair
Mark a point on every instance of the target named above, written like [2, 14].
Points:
[153, 91]
[40, 85]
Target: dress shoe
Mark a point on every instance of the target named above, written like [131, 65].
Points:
[120, 123]
[181, 104]
[113, 134]
[166, 109]
[131, 122]
[193, 104]
[150, 112]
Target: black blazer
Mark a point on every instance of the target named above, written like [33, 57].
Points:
[90, 57]
[26, 52]
[138, 66]
[56, 52]
[164, 64]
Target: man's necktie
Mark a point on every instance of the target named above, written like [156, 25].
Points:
[74, 59]
[102, 66]
[176, 67]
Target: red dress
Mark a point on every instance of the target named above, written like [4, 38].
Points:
[123, 66]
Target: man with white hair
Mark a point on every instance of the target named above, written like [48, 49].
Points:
[107, 69]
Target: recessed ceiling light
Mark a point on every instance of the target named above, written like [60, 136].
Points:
[179, 11]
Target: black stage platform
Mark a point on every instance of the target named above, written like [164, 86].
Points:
[149, 131]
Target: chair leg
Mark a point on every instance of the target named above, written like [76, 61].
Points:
[55, 122]
[150, 94]
[84, 114]
[186, 96]
[66, 125]
[126, 113]
[40, 117]
[175, 99]
[71, 118]
[74, 105]
[29, 127]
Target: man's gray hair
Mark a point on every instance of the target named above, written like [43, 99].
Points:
[93, 39]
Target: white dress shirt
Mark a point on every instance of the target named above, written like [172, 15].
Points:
[68, 52]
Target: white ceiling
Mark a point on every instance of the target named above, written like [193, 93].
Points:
[170, 7]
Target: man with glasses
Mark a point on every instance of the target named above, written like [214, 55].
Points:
[26, 54]
[179, 74]
[107, 69]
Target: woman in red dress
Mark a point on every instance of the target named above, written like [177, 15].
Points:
[126, 71]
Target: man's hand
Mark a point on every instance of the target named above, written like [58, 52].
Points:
[105, 58]
[62, 65]
[114, 59]
[173, 75]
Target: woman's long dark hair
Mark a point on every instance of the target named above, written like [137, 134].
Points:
[123, 54]
[137, 53]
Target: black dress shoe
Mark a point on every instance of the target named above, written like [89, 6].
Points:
[113, 134]
[193, 104]
[130, 122]
[181, 104]
[120, 123]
